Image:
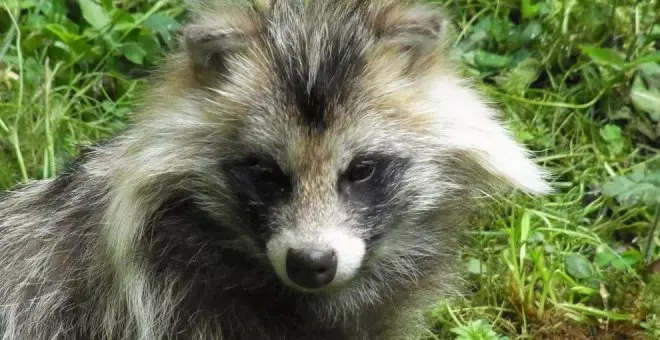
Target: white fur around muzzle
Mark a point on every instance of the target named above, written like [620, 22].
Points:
[348, 248]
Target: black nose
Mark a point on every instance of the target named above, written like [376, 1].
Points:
[311, 268]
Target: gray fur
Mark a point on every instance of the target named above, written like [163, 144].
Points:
[144, 237]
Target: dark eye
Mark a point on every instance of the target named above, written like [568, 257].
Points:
[260, 170]
[361, 170]
[259, 179]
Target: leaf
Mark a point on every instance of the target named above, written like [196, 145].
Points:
[162, 24]
[628, 259]
[61, 32]
[107, 105]
[94, 14]
[651, 73]
[122, 21]
[529, 10]
[498, 29]
[625, 260]
[524, 136]
[634, 188]
[649, 58]
[476, 330]
[620, 188]
[134, 53]
[149, 43]
[623, 113]
[638, 173]
[536, 238]
[653, 177]
[577, 266]
[645, 100]
[36, 22]
[475, 266]
[604, 257]
[612, 135]
[532, 31]
[604, 56]
[521, 77]
[491, 60]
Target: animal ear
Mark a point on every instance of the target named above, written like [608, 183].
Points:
[502, 160]
[218, 34]
[487, 155]
[419, 29]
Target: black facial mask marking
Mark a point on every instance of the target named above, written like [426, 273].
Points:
[368, 186]
[258, 183]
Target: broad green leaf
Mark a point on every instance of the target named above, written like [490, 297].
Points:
[651, 73]
[498, 29]
[529, 10]
[524, 136]
[521, 77]
[651, 131]
[149, 43]
[628, 259]
[623, 113]
[491, 60]
[162, 24]
[122, 21]
[536, 238]
[638, 173]
[649, 58]
[532, 31]
[107, 105]
[475, 266]
[577, 266]
[604, 56]
[634, 188]
[645, 99]
[622, 261]
[476, 330]
[61, 32]
[94, 14]
[604, 257]
[653, 177]
[134, 53]
[612, 135]
[36, 22]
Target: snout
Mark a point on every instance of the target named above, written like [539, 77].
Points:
[311, 268]
[312, 261]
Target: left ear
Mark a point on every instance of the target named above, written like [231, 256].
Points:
[502, 159]
[485, 150]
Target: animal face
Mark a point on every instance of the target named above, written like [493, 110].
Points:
[347, 144]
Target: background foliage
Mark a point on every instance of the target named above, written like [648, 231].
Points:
[577, 80]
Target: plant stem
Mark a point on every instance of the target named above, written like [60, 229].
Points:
[651, 236]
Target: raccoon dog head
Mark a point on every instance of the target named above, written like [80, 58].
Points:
[334, 137]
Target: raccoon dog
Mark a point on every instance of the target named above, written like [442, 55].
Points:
[299, 170]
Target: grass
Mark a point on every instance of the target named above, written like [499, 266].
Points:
[577, 80]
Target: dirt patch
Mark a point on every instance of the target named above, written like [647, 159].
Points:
[556, 327]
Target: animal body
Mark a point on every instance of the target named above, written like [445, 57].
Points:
[298, 170]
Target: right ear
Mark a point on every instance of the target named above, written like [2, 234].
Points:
[217, 34]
